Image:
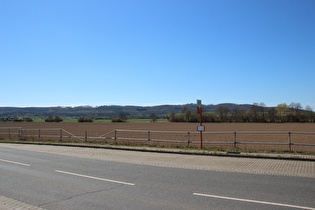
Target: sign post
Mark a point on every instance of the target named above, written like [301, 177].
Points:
[200, 128]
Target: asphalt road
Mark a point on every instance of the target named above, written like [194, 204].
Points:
[57, 181]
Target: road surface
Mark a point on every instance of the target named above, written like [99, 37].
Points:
[56, 177]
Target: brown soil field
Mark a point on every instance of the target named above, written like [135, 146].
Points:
[226, 140]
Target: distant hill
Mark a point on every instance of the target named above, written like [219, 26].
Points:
[109, 111]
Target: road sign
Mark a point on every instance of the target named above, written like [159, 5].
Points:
[200, 128]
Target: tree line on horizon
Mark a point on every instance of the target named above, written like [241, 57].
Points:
[258, 112]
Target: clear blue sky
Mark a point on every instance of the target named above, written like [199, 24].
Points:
[152, 52]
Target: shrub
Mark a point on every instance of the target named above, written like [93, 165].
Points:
[117, 120]
[18, 119]
[84, 119]
[27, 119]
[53, 119]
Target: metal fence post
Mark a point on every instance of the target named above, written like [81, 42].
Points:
[188, 138]
[38, 134]
[115, 137]
[85, 138]
[149, 137]
[235, 139]
[60, 134]
[290, 142]
[9, 133]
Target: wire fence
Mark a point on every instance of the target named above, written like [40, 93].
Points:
[267, 140]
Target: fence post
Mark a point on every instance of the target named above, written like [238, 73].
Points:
[38, 134]
[235, 139]
[60, 134]
[9, 133]
[85, 138]
[148, 137]
[188, 138]
[290, 142]
[115, 137]
[20, 134]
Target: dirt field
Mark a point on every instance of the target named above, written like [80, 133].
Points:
[226, 140]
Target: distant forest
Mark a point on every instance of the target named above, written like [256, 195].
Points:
[226, 112]
[140, 112]
[252, 113]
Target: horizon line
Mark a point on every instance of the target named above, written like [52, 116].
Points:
[144, 105]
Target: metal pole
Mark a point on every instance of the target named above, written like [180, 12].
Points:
[188, 138]
[38, 134]
[9, 133]
[115, 136]
[149, 137]
[85, 136]
[60, 134]
[234, 139]
[200, 110]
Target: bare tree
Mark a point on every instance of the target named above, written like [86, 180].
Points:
[255, 111]
[223, 112]
[272, 115]
[123, 116]
[295, 112]
[262, 112]
[310, 115]
[153, 117]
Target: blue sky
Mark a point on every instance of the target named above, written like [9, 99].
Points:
[116, 52]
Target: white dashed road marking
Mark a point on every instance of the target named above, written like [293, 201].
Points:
[96, 178]
[13, 162]
[254, 201]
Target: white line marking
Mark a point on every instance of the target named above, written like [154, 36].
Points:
[254, 201]
[8, 161]
[96, 178]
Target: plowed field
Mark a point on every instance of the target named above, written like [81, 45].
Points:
[90, 131]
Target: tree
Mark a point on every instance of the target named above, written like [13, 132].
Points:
[236, 115]
[153, 117]
[262, 112]
[282, 112]
[223, 112]
[187, 115]
[123, 116]
[245, 115]
[254, 111]
[240, 115]
[272, 115]
[172, 117]
[295, 112]
[180, 117]
[310, 115]
[184, 109]
[194, 117]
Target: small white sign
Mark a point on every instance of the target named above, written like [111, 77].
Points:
[201, 128]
